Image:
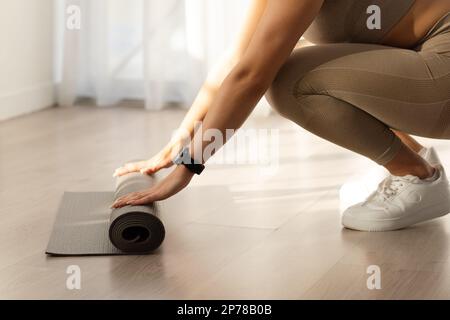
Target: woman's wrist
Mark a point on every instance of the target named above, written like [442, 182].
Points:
[184, 171]
[185, 159]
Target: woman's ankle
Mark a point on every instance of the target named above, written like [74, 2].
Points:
[408, 162]
[420, 172]
[409, 141]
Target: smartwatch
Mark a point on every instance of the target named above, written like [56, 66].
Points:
[184, 158]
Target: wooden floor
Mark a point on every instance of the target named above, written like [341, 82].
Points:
[234, 233]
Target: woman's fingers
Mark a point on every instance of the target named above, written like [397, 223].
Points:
[151, 169]
[158, 162]
[139, 198]
[130, 167]
[119, 172]
[123, 201]
[119, 203]
[146, 199]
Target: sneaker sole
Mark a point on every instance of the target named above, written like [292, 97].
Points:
[425, 214]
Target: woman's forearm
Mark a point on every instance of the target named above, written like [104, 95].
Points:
[280, 28]
[205, 97]
[210, 89]
[234, 102]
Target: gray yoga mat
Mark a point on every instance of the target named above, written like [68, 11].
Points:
[85, 224]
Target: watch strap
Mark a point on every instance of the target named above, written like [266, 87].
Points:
[185, 159]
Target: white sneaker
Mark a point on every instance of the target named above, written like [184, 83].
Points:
[400, 202]
[358, 189]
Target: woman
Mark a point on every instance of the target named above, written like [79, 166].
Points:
[377, 74]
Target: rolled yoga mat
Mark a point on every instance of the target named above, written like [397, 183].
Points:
[86, 225]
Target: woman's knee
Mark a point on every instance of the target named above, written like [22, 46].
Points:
[290, 84]
[279, 96]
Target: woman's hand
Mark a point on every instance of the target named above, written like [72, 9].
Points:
[176, 181]
[161, 160]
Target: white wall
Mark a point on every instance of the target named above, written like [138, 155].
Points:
[26, 56]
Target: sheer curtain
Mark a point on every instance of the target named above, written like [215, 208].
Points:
[156, 50]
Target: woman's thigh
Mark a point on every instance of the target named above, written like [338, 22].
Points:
[404, 89]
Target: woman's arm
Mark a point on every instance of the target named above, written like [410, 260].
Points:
[216, 76]
[205, 97]
[277, 33]
[282, 25]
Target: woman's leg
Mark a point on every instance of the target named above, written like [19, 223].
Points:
[409, 161]
[412, 143]
[353, 94]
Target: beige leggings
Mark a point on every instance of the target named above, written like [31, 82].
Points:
[353, 94]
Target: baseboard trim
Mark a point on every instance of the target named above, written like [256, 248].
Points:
[27, 100]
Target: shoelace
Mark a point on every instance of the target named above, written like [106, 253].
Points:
[390, 187]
